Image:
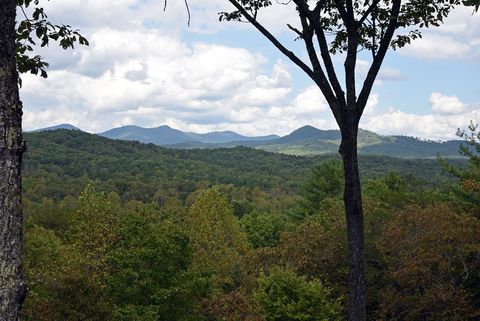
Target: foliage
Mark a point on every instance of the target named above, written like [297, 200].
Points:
[36, 27]
[282, 295]
[151, 278]
[76, 266]
[61, 162]
[233, 306]
[432, 256]
[325, 181]
[472, 3]
[48, 213]
[191, 252]
[219, 244]
[263, 229]
[468, 190]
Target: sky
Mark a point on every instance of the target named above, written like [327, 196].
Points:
[147, 67]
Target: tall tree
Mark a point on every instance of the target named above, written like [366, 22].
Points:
[348, 26]
[12, 289]
[15, 43]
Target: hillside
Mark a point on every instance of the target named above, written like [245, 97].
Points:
[62, 162]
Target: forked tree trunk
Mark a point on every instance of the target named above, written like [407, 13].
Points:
[12, 289]
[354, 216]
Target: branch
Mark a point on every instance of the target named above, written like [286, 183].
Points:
[303, 7]
[323, 83]
[298, 32]
[350, 8]
[343, 14]
[366, 13]
[186, 6]
[314, 17]
[349, 65]
[290, 55]
[377, 61]
[188, 11]
[327, 60]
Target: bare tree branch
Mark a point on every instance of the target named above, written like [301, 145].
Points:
[188, 11]
[377, 61]
[186, 6]
[327, 60]
[349, 65]
[321, 82]
[317, 67]
[314, 18]
[298, 32]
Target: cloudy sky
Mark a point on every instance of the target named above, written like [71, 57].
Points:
[146, 67]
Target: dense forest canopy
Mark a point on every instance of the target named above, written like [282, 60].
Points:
[121, 230]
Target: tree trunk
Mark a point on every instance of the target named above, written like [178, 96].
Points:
[354, 214]
[12, 289]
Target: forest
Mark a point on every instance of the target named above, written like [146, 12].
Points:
[97, 229]
[118, 230]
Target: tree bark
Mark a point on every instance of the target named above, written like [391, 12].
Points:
[12, 289]
[352, 199]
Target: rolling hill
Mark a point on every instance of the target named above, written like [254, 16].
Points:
[61, 162]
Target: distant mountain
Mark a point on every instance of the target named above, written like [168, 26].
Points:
[405, 146]
[309, 140]
[227, 137]
[61, 126]
[165, 135]
[309, 133]
[306, 140]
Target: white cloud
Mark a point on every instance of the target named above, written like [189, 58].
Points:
[311, 100]
[426, 126]
[433, 46]
[139, 71]
[449, 113]
[444, 104]
[148, 77]
[453, 39]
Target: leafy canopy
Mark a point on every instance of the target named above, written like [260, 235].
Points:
[369, 19]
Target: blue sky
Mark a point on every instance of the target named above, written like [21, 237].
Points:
[147, 67]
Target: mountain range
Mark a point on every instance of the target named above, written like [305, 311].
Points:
[306, 140]
[165, 135]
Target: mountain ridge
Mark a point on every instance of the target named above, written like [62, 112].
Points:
[306, 140]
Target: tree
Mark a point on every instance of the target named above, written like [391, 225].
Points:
[282, 295]
[12, 288]
[14, 43]
[151, 277]
[218, 242]
[326, 180]
[467, 193]
[432, 257]
[347, 26]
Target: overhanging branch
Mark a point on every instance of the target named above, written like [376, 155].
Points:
[317, 76]
[290, 55]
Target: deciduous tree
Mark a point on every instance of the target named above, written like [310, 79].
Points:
[348, 26]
